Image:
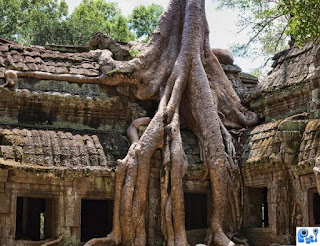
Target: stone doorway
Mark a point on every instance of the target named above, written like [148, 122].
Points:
[33, 218]
[314, 207]
[195, 211]
[257, 214]
[96, 218]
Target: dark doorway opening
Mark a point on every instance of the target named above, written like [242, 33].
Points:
[316, 208]
[33, 218]
[195, 211]
[257, 213]
[96, 218]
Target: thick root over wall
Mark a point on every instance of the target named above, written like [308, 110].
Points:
[178, 69]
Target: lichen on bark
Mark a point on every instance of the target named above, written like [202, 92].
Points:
[177, 68]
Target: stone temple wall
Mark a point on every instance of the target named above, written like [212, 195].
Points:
[69, 167]
[59, 143]
[292, 86]
[64, 189]
[280, 156]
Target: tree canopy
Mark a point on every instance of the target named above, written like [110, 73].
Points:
[31, 21]
[144, 19]
[47, 21]
[270, 23]
[93, 16]
[275, 23]
[304, 22]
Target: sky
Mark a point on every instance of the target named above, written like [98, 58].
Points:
[222, 24]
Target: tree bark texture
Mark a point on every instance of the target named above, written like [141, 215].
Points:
[177, 67]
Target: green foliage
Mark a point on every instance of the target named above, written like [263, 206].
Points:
[134, 53]
[93, 16]
[273, 23]
[120, 30]
[304, 23]
[144, 20]
[46, 21]
[28, 21]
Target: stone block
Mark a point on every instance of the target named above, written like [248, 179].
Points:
[38, 60]
[4, 47]
[33, 66]
[3, 175]
[6, 152]
[72, 208]
[18, 152]
[89, 72]
[292, 126]
[62, 70]
[15, 139]
[5, 203]
[87, 65]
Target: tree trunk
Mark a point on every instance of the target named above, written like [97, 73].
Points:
[178, 68]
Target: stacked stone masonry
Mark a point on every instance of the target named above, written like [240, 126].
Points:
[292, 85]
[281, 157]
[17, 57]
[59, 143]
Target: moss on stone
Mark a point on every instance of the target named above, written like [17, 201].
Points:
[292, 126]
[134, 53]
[6, 120]
[105, 128]
[117, 70]
[59, 124]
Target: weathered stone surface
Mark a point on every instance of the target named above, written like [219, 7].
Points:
[52, 149]
[63, 110]
[280, 156]
[4, 203]
[7, 152]
[62, 147]
[32, 59]
[287, 90]
[291, 142]
[64, 190]
[3, 175]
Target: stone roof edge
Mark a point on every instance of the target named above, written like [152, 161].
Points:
[58, 170]
[285, 126]
[275, 90]
[284, 55]
[6, 41]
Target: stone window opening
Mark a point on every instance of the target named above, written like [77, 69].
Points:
[195, 211]
[314, 207]
[33, 218]
[96, 218]
[264, 211]
[257, 215]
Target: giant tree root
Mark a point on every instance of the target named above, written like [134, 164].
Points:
[178, 68]
[53, 242]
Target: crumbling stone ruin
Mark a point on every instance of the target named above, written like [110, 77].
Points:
[59, 146]
[64, 116]
[280, 156]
